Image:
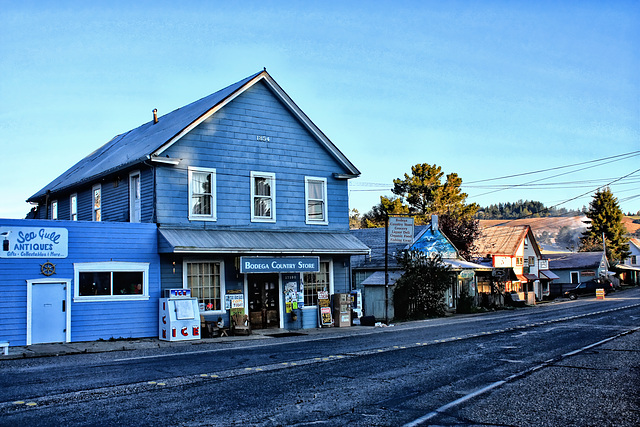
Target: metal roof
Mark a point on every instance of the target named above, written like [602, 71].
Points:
[173, 240]
[149, 140]
[569, 260]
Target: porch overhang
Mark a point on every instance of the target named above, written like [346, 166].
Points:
[180, 240]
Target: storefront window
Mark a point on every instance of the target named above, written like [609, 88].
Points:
[103, 281]
[314, 282]
[203, 278]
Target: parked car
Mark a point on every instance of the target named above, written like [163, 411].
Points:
[588, 288]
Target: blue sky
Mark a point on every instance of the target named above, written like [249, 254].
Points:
[485, 89]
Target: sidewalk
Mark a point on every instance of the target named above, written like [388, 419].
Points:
[128, 344]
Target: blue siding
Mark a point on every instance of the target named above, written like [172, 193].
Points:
[227, 142]
[88, 242]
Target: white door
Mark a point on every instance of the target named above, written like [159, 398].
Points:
[48, 312]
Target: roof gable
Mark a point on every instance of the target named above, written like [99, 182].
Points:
[501, 240]
[150, 140]
[432, 242]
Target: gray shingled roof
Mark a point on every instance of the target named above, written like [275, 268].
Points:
[139, 144]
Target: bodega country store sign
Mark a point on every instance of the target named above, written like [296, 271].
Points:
[279, 265]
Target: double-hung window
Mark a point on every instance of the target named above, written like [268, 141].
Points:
[263, 197]
[73, 208]
[316, 200]
[314, 282]
[96, 212]
[54, 209]
[205, 279]
[202, 194]
[111, 281]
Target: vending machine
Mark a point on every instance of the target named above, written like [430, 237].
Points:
[179, 316]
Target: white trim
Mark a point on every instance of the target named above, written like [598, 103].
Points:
[93, 202]
[30, 283]
[571, 276]
[214, 201]
[71, 198]
[325, 199]
[272, 177]
[132, 207]
[111, 266]
[185, 281]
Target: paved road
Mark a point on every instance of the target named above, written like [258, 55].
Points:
[571, 363]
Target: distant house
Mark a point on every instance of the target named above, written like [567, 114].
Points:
[249, 196]
[629, 270]
[369, 271]
[514, 254]
[576, 267]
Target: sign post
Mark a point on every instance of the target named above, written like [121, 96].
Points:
[398, 229]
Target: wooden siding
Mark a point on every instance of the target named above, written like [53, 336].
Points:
[88, 242]
[228, 142]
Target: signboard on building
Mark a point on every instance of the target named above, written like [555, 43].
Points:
[543, 264]
[400, 229]
[324, 308]
[279, 265]
[34, 242]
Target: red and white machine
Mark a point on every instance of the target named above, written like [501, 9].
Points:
[179, 316]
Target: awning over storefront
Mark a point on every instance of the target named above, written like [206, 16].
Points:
[531, 277]
[173, 240]
[546, 274]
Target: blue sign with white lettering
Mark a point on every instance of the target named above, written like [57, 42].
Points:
[279, 265]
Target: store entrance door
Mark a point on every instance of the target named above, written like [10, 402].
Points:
[264, 300]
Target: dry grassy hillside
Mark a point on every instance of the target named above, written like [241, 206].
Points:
[546, 229]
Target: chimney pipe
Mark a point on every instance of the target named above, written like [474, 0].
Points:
[155, 115]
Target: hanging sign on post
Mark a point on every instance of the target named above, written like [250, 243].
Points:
[400, 229]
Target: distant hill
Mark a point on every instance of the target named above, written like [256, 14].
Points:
[556, 234]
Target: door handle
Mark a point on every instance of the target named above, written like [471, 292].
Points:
[64, 305]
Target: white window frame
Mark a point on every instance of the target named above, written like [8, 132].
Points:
[214, 203]
[272, 177]
[73, 210]
[54, 209]
[94, 210]
[185, 280]
[577, 273]
[325, 219]
[113, 267]
[138, 190]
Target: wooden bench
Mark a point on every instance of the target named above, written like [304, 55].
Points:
[5, 347]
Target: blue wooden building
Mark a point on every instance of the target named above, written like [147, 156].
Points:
[250, 200]
[64, 281]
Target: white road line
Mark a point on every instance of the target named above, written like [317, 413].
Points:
[443, 408]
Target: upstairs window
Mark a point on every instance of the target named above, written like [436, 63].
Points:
[316, 199]
[202, 194]
[73, 208]
[96, 212]
[54, 209]
[263, 197]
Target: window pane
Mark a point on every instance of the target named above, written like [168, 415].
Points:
[127, 283]
[96, 198]
[316, 190]
[201, 182]
[201, 205]
[316, 210]
[94, 283]
[262, 207]
[262, 187]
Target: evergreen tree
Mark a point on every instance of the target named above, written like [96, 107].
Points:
[606, 219]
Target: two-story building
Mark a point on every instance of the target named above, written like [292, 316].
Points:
[249, 196]
[514, 254]
[629, 269]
